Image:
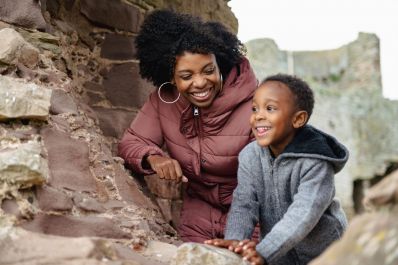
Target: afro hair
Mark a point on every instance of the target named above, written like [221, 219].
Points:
[165, 34]
[300, 89]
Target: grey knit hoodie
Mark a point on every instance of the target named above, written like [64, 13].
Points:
[292, 197]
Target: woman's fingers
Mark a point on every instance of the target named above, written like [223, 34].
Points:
[166, 168]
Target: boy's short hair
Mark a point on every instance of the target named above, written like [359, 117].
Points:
[304, 95]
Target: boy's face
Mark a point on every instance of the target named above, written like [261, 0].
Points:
[273, 116]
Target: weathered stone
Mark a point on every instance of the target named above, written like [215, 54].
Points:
[113, 122]
[129, 189]
[88, 204]
[165, 208]
[10, 207]
[383, 193]
[60, 123]
[118, 47]
[113, 14]
[124, 87]
[71, 226]
[68, 162]
[19, 99]
[25, 13]
[18, 246]
[61, 102]
[13, 49]
[21, 166]
[163, 188]
[370, 239]
[42, 40]
[51, 199]
[214, 10]
[161, 251]
[126, 254]
[199, 254]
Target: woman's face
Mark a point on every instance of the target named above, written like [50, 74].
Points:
[197, 77]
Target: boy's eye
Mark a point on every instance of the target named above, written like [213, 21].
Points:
[271, 108]
[254, 109]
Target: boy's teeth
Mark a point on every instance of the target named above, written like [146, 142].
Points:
[262, 129]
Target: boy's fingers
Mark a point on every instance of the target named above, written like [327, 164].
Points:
[244, 242]
[250, 244]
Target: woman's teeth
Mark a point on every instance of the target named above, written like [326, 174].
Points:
[201, 94]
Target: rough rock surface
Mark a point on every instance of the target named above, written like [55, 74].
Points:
[14, 48]
[198, 254]
[23, 100]
[25, 13]
[70, 92]
[371, 238]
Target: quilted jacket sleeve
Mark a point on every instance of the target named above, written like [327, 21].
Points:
[144, 137]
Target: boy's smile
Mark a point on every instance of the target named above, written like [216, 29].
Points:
[273, 115]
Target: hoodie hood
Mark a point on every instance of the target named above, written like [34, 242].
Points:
[311, 142]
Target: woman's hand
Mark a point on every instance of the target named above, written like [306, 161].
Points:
[166, 168]
[223, 243]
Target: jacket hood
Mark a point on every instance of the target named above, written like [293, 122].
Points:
[311, 142]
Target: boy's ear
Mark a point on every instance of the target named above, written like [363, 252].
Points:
[300, 118]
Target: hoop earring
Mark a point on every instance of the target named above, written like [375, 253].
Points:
[221, 83]
[164, 101]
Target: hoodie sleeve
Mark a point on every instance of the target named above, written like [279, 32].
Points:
[315, 193]
[143, 137]
[243, 215]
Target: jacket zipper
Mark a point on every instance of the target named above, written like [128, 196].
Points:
[199, 132]
[195, 111]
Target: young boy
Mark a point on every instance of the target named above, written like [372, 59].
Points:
[285, 180]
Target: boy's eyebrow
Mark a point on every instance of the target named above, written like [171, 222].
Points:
[267, 100]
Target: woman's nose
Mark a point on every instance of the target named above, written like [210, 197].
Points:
[199, 81]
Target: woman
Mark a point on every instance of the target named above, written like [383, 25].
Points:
[200, 112]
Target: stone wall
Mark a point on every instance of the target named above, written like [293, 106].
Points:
[348, 104]
[69, 87]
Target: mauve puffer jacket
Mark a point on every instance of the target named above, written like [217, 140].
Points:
[206, 145]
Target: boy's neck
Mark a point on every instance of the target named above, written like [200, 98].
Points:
[275, 154]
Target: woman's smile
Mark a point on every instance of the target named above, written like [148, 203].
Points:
[202, 95]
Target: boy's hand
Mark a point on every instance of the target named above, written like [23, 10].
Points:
[247, 249]
[223, 243]
[252, 256]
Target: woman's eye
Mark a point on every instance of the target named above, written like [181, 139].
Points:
[209, 71]
[185, 77]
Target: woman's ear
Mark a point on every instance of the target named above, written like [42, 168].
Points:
[300, 118]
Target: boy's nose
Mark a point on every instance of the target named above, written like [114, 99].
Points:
[259, 116]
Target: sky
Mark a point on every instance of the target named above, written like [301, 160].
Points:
[324, 24]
